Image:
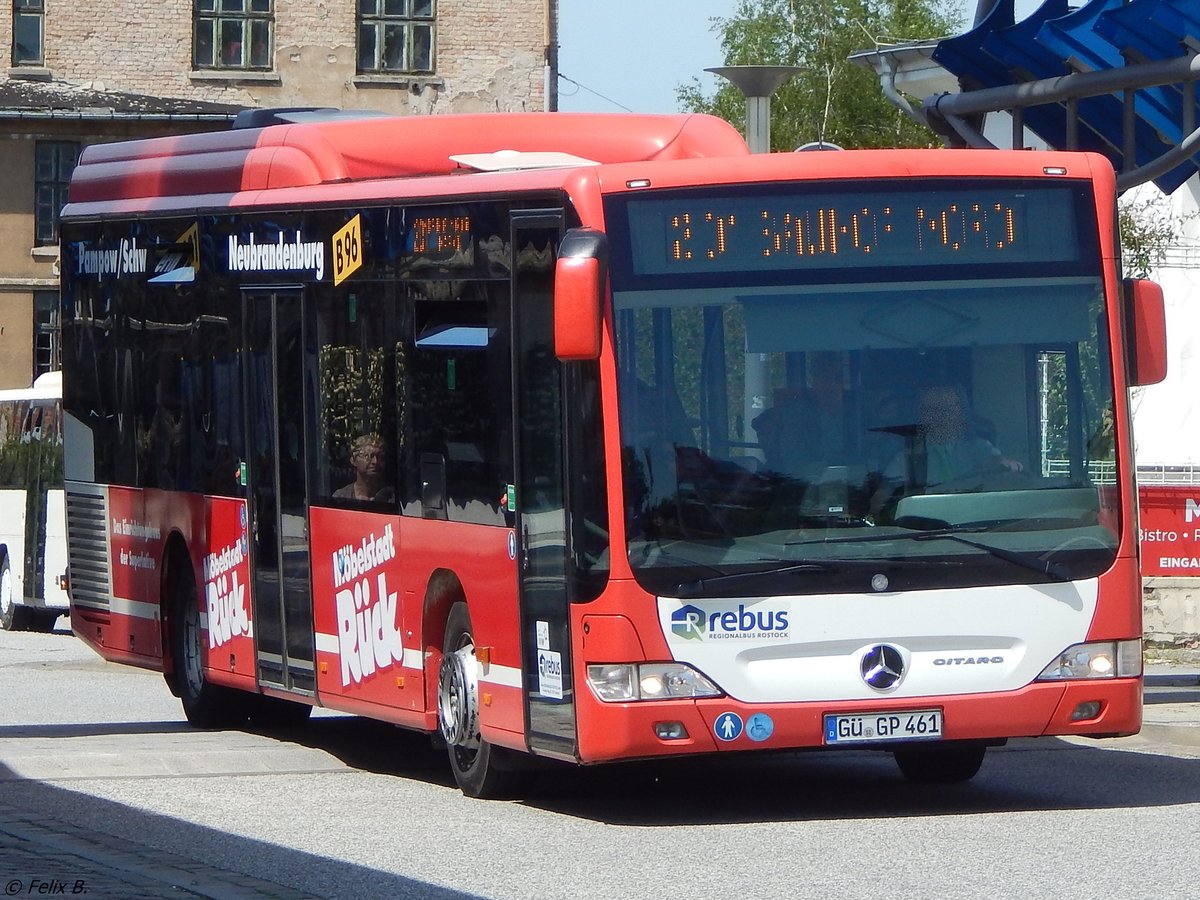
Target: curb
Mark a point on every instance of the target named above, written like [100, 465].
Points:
[1177, 735]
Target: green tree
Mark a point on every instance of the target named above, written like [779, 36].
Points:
[832, 99]
[1149, 228]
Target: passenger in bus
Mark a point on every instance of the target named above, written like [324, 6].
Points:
[369, 458]
[945, 447]
[804, 432]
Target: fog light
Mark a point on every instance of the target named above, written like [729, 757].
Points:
[670, 731]
[1088, 710]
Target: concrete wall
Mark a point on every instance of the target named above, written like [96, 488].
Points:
[1171, 607]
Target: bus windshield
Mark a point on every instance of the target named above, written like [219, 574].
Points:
[863, 387]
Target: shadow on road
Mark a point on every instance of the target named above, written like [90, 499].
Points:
[92, 729]
[89, 838]
[1026, 775]
[372, 746]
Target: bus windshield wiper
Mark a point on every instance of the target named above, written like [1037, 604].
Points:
[1050, 569]
[701, 586]
[1046, 567]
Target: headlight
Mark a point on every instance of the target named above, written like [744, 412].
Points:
[1103, 659]
[622, 682]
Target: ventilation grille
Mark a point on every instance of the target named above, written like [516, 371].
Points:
[87, 546]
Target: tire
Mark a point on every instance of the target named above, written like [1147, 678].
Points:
[206, 705]
[480, 769]
[943, 764]
[13, 616]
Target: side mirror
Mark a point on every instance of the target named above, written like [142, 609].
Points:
[579, 277]
[1147, 327]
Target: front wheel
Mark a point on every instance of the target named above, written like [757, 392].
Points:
[940, 764]
[480, 769]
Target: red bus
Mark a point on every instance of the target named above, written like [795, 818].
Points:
[596, 438]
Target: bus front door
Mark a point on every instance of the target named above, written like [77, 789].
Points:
[541, 490]
[274, 383]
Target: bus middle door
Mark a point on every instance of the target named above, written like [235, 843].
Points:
[279, 556]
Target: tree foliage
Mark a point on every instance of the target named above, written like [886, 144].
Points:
[1149, 228]
[832, 99]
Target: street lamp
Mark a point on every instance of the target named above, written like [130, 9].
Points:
[757, 84]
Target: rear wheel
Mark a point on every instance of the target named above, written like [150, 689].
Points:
[480, 769]
[13, 616]
[940, 764]
[206, 705]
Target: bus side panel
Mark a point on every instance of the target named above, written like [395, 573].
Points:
[1119, 603]
[135, 548]
[12, 539]
[54, 592]
[483, 559]
[220, 539]
[367, 636]
[214, 530]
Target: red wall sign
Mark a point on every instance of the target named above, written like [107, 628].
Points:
[1170, 530]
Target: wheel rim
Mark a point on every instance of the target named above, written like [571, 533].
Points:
[458, 701]
[6, 589]
[193, 673]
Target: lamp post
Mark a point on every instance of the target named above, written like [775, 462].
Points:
[757, 84]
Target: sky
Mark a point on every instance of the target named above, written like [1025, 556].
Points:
[633, 54]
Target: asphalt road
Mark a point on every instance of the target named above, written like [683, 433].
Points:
[97, 754]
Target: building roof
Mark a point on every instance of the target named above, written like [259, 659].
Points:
[22, 98]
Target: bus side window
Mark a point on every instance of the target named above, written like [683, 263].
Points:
[461, 399]
[360, 434]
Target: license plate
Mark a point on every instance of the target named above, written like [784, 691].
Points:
[908, 725]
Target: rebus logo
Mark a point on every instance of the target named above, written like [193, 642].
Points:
[693, 624]
[688, 622]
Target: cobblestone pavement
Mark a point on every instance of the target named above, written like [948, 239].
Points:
[42, 857]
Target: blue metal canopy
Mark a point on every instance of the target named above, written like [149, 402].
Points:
[1114, 76]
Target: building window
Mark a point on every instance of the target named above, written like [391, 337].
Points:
[28, 18]
[396, 36]
[54, 162]
[46, 333]
[234, 34]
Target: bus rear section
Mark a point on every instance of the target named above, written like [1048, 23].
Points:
[651, 449]
[33, 539]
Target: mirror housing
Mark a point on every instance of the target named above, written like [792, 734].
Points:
[579, 281]
[1146, 320]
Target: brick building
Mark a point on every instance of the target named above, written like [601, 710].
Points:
[81, 73]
